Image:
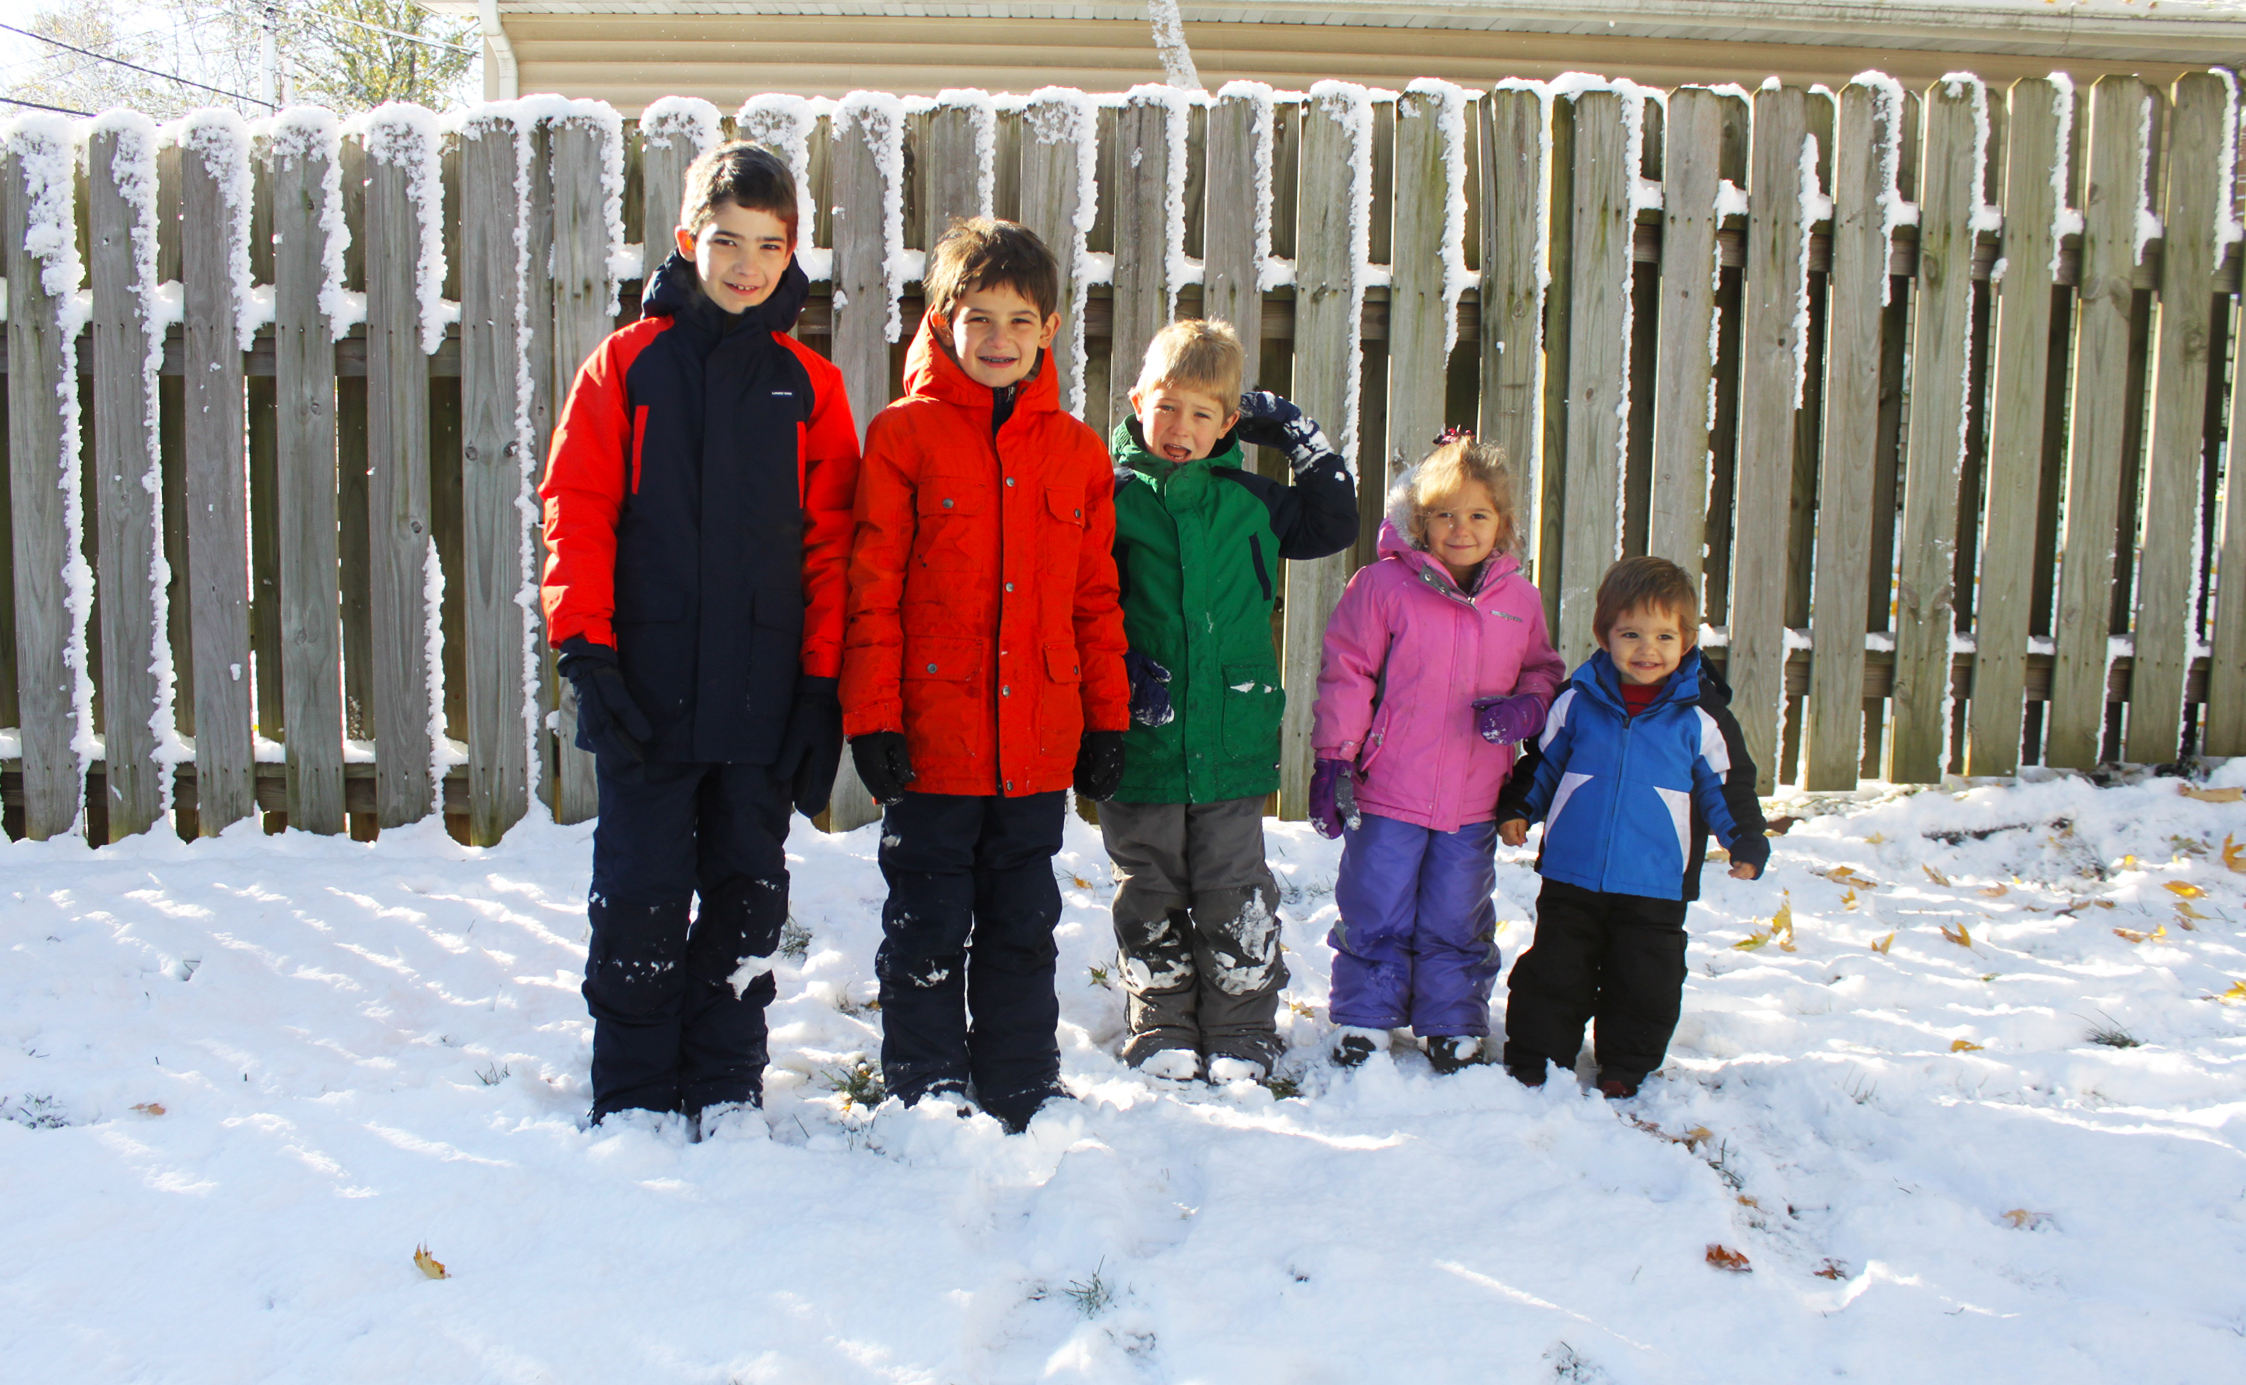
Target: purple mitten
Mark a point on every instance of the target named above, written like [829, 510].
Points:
[1333, 798]
[1504, 720]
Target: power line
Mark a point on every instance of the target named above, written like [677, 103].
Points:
[315, 22]
[136, 67]
[37, 106]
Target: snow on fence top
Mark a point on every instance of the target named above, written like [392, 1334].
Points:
[1514, 326]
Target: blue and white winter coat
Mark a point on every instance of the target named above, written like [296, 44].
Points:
[1628, 802]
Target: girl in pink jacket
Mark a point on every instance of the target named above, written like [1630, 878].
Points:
[1436, 664]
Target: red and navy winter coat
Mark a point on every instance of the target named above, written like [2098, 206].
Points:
[697, 515]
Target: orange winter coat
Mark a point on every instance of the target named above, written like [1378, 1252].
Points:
[983, 613]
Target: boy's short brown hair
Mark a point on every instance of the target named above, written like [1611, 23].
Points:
[1198, 354]
[747, 175]
[1647, 584]
[1449, 469]
[984, 253]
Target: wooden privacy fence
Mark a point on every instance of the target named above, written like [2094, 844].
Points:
[1928, 389]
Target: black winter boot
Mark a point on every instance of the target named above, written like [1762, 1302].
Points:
[1448, 1053]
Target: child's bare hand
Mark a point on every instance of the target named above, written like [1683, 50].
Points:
[1744, 870]
[1513, 831]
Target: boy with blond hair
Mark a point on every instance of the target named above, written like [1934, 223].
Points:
[982, 673]
[1198, 541]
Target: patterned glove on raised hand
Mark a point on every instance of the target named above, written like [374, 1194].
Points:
[1505, 720]
[1267, 420]
[1333, 798]
[1150, 690]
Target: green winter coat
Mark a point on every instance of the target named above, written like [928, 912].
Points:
[1197, 551]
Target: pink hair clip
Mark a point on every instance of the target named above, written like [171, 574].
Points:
[1454, 433]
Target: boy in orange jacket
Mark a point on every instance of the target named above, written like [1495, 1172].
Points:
[982, 672]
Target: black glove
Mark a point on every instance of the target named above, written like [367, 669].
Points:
[1150, 690]
[811, 747]
[1268, 420]
[607, 718]
[1099, 765]
[884, 765]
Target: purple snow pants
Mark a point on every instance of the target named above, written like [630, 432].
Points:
[1417, 939]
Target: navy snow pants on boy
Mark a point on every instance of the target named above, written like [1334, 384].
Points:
[1616, 959]
[1417, 938]
[678, 1005]
[967, 955]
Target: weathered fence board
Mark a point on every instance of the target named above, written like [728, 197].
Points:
[2019, 380]
[1146, 235]
[582, 317]
[959, 164]
[2098, 426]
[1513, 123]
[2167, 616]
[304, 381]
[1430, 209]
[1236, 233]
[1056, 194]
[2224, 727]
[1683, 396]
[1597, 363]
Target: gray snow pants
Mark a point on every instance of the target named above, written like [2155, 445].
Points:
[1196, 919]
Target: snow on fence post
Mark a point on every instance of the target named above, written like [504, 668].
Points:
[1774, 323]
[1684, 388]
[44, 316]
[1236, 230]
[958, 162]
[1871, 112]
[405, 274]
[1607, 125]
[128, 348]
[869, 253]
[674, 132]
[2019, 375]
[494, 414]
[585, 144]
[1149, 202]
[2167, 625]
[1515, 155]
[1059, 198]
[308, 230]
[1427, 252]
[1333, 239]
[2098, 425]
[2223, 725]
[215, 270]
[1952, 171]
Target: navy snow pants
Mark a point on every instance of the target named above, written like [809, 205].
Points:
[1417, 939]
[967, 954]
[1615, 959]
[678, 1003]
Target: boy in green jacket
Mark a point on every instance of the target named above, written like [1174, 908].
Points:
[1198, 539]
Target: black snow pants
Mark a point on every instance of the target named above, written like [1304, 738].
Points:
[678, 1004]
[967, 954]
[1616, 959]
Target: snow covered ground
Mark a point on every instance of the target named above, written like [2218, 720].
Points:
[1932, 1171]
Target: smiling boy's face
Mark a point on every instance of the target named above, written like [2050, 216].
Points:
[740, 255]
[1180, 424]
[996, 335]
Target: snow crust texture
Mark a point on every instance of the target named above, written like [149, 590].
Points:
[244, 1079]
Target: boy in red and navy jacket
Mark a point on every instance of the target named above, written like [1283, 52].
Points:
[698, 523]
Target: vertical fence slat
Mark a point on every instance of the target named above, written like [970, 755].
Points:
[2099, 425]
[1057, 137]
[217, 547]
[1598, 343]
[867, 150]
[1329, 292]
[125, 461]
[667, 147]
[2167, 623]
[1832, 746]
[304, 380]
[1144, 233]
[2224, 727]
[1419, 310]
[399, 545]
[38, 375]
[1934, 452]
[2020, 337]
[581, 320]
[1512, 291]
[1236, 232]
[556, 762]
[956, 161]
[1770, 336]
[1691, 175]
[491, 478]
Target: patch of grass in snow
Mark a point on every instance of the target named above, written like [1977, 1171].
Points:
[494, 1075]
[1092, 1296]
[2112, 1033]
[1282, 1087]
[1100, 977]
[860, 1084]
[1569, 1364]
[795, 940]
[35, 1112]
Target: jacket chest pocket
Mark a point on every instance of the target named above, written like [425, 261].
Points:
[1062, 529]
[951, 512]
[1253, 702]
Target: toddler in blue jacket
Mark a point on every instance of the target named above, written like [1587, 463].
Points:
[1639, 761]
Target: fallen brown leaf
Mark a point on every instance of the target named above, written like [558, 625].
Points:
[429, 1264]
[1725, 1258]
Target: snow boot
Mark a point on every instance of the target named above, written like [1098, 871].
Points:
[1449, 1053]
[1528, 1072]
[1352, 1045]
[728, 1120]
[1616, 1085]
[1224, 1070]
[1172, 1064]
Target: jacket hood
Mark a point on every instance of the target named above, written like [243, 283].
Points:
[932, 372]
[1129, 447]
[675, 291]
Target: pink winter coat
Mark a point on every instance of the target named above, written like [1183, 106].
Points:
[1406, 654]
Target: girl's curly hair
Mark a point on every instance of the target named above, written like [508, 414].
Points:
[1458, 459]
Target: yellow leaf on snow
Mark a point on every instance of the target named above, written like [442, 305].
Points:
[2236, 992]
[2186, 889]
[1848, 900]
[1958, 935]
[1965, 1046]
[2231, 795]
[429, 1264]
[1884, 944]
[2234, 855]
[2136, 937]
[2185, 914]
[149, 1108]
[1751, 942]
[1782, 923]
[2025, 1220]
[1995, 891]
[1875, 839]
[1934, 875]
